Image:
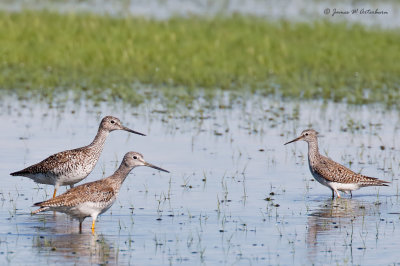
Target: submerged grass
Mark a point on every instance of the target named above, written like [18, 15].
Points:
[49, 52]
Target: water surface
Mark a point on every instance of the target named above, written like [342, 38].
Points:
[235, 193]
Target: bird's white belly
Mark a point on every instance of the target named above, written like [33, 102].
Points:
[75, 175]
[90, 208]
[344, 187]
[85, 209]
[63, 176]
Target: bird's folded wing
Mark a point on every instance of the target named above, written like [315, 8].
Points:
[334, 172]
[51, 163]
[90, 192]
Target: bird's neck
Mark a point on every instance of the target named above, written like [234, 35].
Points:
[313, 152]
[119, 176]
[99, 140]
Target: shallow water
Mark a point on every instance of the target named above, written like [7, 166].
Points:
[235, 194]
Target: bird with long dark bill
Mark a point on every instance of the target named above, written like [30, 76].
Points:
[94, 198]
[330, 173]
[72, 166]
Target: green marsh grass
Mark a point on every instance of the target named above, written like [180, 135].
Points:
[106, 57]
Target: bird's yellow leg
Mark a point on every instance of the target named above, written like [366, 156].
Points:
[337, 193]
[54, 195]
[93, 226]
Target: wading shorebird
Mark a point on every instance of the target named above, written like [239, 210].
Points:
[330, 173]
[71, 166]
[94, 198]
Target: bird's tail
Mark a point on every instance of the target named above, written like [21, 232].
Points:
[372, 181]
[41, 209]
[18, 173]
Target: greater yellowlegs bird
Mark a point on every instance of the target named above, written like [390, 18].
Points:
[330, 173]
[94, 198]
[71, 166]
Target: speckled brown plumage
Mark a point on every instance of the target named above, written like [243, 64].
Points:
[330, 173]
[94, 198]
[97, 191]
[71, 166]
[62, 162]
[336, 172]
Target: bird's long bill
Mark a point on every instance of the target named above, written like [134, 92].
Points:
[296, 139]
[155, 167]
[132, 131]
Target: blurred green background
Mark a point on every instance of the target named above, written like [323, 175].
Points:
[47, 52]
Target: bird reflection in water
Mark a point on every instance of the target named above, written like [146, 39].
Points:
[63, 243]
[334, 219]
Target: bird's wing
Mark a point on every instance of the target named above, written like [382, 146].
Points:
[335, 172]
[55, 161]
[96, 191]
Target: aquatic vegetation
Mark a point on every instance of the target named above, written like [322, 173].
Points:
[107, 58]
[225, 202]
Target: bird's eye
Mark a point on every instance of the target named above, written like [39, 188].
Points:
[135, 157]
[306, 134]
[112, 122]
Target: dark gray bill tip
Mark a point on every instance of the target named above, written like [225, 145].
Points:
[133, 131]
[156, 167]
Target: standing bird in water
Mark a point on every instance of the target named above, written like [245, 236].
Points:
[94, 198]
[330, 173]
[71, 166]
